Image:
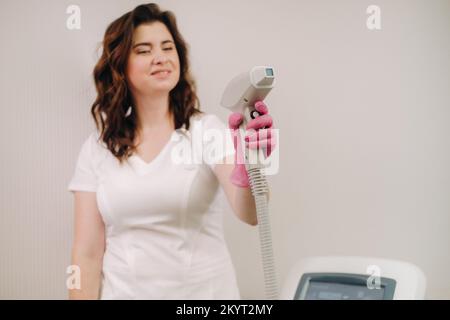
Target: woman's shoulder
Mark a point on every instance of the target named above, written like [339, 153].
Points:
[94, 143]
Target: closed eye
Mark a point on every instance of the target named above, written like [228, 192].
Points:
[148, 51]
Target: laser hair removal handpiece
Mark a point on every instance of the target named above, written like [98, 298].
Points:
[240, 96]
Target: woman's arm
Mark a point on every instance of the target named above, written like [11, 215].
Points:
[232, 174]
[88, 246]
[241, 199]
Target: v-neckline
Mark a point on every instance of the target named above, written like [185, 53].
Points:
[143, 166]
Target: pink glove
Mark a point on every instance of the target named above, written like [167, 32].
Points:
[259, 134]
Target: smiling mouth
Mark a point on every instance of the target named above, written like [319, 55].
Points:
[162, 73]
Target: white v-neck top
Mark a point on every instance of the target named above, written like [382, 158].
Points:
[163, 219]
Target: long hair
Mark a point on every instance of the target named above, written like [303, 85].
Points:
[114, 98]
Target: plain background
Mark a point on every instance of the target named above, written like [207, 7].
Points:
[363, 118]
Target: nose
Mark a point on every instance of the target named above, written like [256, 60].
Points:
[160, 58]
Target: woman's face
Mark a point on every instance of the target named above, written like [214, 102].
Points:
[153, 49]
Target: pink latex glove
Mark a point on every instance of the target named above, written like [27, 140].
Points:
[259, 134]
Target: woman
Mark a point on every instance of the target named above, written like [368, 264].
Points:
[145, 226]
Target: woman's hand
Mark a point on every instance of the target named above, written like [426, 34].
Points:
[259, 135]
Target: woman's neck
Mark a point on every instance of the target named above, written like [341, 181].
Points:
[153, 113]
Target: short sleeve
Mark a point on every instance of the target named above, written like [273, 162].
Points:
[217, 141]
[84, 177]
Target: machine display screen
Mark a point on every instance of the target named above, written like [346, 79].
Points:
[318, 290]
[269, 72]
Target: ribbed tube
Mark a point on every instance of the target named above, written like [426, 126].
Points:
[259, 187]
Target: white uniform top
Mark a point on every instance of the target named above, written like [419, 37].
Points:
[163, 219]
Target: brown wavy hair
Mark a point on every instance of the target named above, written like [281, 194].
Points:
[113, 95]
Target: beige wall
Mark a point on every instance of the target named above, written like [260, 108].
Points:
[363, 117]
